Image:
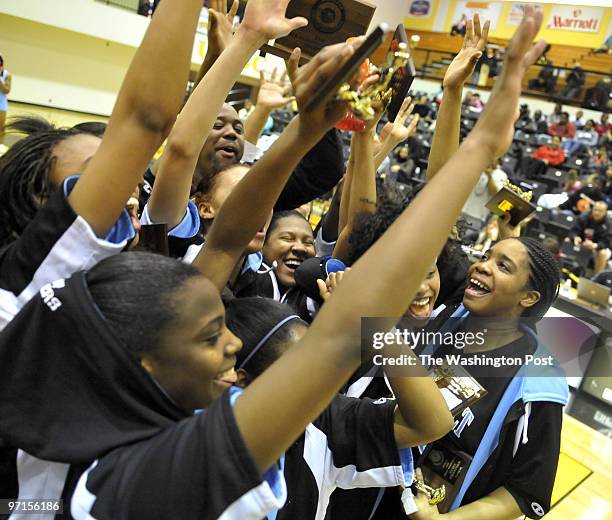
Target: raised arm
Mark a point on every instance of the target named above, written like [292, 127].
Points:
[273, 94]
[220, 25]
[446, 135]
[263, 19]
[393, 134]
[362, 192]
[243, 213]
[146, 108]
[5, 86]
[305, 379]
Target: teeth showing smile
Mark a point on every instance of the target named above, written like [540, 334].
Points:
[293, 264]
[421, 302]
[480, 285]
[226, 374]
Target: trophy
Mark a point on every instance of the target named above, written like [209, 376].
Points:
[511, 198]
[329, 22]
[444, 468]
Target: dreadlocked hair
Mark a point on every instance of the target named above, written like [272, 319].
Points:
[24, 174]
[369, 228]
[544, 277]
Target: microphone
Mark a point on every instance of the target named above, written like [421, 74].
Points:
[313, 269]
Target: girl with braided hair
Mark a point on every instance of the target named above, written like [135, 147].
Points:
[512, 434]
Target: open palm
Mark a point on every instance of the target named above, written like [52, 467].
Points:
[273, 92]
[463, 65]
[267, 18]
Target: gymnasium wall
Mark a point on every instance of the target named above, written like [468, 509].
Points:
[443, 13]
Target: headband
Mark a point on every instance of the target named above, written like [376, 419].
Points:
[267, 337]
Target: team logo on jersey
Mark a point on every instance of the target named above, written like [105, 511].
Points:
[537, 509]
[382, 400]
[467, 416]
[48, 294]
[328, 16]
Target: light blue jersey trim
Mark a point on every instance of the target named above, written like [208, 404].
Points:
[252, 262]
[122, 230]
[189, 226]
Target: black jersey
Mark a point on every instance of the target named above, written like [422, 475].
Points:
[350, 445]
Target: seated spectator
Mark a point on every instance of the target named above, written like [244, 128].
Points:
[607, 189]
[592, 231]
[460, 26]
[578, 119]
[546, 79]
[598, 97]
[583, 199]
[547, 155]
[572, 184]
[606, 47]
[575, 83]
[486, 68]
[475, 103]
[555, 117]
[604, 125]
[423, 108]
[538, 125]
[598, 159]
[583, 139]
[563, 128]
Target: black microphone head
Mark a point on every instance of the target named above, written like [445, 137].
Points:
[313, 269]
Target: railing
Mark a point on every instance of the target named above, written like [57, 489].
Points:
[432, 64]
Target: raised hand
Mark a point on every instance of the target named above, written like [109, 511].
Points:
[462, 66]
[266, 19]
[495, 127]
[397, 132]
[273, 92]
[310, 77]
[220, 25]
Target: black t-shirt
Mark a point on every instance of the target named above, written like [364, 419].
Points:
[530, 473]
[350, 445]
[197, 468]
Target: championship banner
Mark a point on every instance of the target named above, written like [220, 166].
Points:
[578, 19]
[486, 10]
[419, 9]
[515, 16]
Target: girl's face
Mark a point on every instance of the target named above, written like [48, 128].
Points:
[289, 243]
[195, 361]
[296, 333]
[423, 303]
[498, 283]
[209, 204]
[71, 156]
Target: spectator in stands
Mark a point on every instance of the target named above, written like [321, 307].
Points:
[547, 155]
[486, 68]
[578, 119]
[607, 189]
[490, 182]
[606, 47]
[582, 200]
[598, 160]
[5, 88]
[460, 26]
[555, 117]
[423, 108]
[563, 128]
[598, 97]
[476, 103]
[604, 125]
[592, 231]
[575, 82]
[583, 139]
[538, 125]
[572, 184]
[546, 79]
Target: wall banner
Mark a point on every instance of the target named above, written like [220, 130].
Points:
[516, 12]
[574, 18]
